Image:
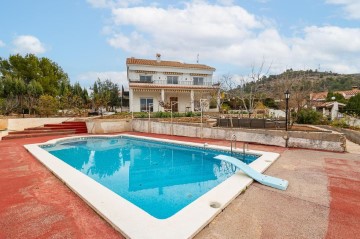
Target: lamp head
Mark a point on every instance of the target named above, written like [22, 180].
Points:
[287, 94]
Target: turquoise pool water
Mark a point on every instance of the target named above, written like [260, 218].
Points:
[160, 178]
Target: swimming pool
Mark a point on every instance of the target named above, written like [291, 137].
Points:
[160, 178]
[165, 189]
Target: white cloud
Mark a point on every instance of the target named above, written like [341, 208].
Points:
[87, 79]
[2, 44]
[28, 44]
[351, 7]
[332, 47]
[229, 36]
[181, 33]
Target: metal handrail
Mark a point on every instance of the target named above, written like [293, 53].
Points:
[247, 147]
[233, 139]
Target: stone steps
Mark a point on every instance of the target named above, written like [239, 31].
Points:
[73, 127]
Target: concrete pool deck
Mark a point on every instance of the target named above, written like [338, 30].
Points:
[321, 201]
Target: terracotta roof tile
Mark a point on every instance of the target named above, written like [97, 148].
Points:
[168, 86]
[349, 93]
[319, 96]
[146, 62]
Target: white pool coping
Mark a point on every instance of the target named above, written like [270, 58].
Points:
[132, 221]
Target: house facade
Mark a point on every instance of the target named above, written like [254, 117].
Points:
[158, 85]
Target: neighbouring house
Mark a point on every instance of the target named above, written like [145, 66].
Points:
[159, 85]
[321, 96]
[331, 109]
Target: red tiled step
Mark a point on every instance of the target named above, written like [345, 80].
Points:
[78, 129]
[17, 136]
[40, 130]
[64, 125]
[69, 127]
[74, 123]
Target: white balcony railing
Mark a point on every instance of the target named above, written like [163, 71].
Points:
[180, 82]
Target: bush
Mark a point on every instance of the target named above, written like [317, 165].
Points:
[47, 105]
[308, 116]
[140, 115]
[341, 123]
[161, 114]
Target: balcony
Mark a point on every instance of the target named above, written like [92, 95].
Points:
[180, 82]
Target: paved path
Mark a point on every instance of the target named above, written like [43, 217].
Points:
[35, 204]
[321, 201]
[352, 147]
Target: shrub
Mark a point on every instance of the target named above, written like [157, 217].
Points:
[47, 105]
[140, 115]
[161, 114]
[308, 116]
[340, 123]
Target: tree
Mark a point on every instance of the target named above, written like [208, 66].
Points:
[353, 105]
[30, 67]
[308, 116]
[337, 97]
[12, 90]
[251, 88]
[105, 94]
[47, 105]
[33, 92]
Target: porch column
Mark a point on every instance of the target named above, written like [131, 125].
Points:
[162, 98]
[192, 100]
[334, 111]
[131, 100]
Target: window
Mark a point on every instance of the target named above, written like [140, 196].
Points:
[172, 79]
[198, 80]
[146, 104]
[145, 78]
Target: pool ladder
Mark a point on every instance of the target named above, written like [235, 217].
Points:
[233, 140]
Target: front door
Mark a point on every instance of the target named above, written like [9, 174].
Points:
[174, 106]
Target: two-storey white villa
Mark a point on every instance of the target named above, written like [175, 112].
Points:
[163, 85]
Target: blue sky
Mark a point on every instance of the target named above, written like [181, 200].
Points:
[93, 38]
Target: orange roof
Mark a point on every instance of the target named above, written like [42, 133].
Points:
[318, 96]
[135, 61]
[349, 93]
[321, 96]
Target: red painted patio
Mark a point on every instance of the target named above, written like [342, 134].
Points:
[35, 204]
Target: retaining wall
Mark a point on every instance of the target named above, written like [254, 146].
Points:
[296, 139]
[100, 126]
[352, 135]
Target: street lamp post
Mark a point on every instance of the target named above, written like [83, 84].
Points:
[287, 97]
[149, 105]
[202, 105]
[172, 103]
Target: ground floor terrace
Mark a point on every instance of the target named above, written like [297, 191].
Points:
[176, 98]
[322, 200]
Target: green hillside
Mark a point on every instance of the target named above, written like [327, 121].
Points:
[320, 81]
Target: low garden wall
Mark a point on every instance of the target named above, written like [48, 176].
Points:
[296, 139]
[100, 126]
[19, 124]
[352, 135]
[325, 140]
[3, 124]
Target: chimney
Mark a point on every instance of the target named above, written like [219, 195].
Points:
[158, 57]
